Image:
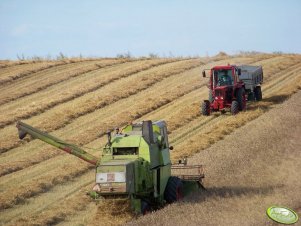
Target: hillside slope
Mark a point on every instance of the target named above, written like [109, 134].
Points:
[79, 100]
[255, 167]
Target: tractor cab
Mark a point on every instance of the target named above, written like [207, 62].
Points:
[222, 77]
[224, 88]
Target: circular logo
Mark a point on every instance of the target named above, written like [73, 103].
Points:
[282, 215]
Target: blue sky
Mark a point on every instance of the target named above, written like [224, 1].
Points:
[166, 27]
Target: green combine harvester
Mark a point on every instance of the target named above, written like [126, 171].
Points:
[135, 163]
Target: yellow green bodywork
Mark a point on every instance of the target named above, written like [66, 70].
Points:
[135, 162]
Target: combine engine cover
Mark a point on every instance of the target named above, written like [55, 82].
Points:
[114, 178]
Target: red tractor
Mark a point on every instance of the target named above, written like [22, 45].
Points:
[230, 86]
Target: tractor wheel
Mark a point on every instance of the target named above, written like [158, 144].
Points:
[234, 107]
[210, 96]
[241, 99]
[174, 190]
[206, 108]
[145, 208]
[251, 96]
[258, 93]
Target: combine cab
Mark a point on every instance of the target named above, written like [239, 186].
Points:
[231, 86]
[135, 163]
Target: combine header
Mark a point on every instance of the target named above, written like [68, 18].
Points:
[135, 163]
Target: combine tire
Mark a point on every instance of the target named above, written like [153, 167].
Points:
[234, 107]
[174, 190]
[206, 108]
[210, 96]
[258, 93]
[145, 208]
[241, 99]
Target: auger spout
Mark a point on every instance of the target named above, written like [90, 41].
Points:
[72, 149]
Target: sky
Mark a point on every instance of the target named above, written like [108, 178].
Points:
[96, 28]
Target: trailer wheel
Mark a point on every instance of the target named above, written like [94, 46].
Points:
[241, 99]
[258, 93]
[234, 107]
[211, 99]
[251, 96]
[174, 190]
[206, 108]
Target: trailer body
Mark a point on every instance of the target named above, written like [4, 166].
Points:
[252, 77]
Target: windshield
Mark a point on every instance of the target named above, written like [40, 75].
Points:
[223, 77]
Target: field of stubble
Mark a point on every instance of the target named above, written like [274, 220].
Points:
[79, 99]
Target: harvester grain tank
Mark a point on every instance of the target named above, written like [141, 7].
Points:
[231, 86]
[135, 163]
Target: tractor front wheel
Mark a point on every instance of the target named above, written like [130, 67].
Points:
[174, 190]
[206, 108]
[234, 107]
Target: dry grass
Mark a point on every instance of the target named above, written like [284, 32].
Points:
[178, 105]
[251, 169]
[35, 188]
[63, 114]
[25, 159]
[12, 73]
[71, 89]
[197, 140]
[43, 79]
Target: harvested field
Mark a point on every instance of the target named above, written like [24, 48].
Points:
[78, 101]
[253, 168]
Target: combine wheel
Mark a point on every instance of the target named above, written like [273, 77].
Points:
[241, 99]
[206, 108]
[258, 93]
[145, 208]
[234, 107]
[174, 190]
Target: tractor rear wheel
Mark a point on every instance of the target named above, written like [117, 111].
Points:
[234, 107]
[174, 190]
[258, 93]
[206, 108]
[241, 99]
